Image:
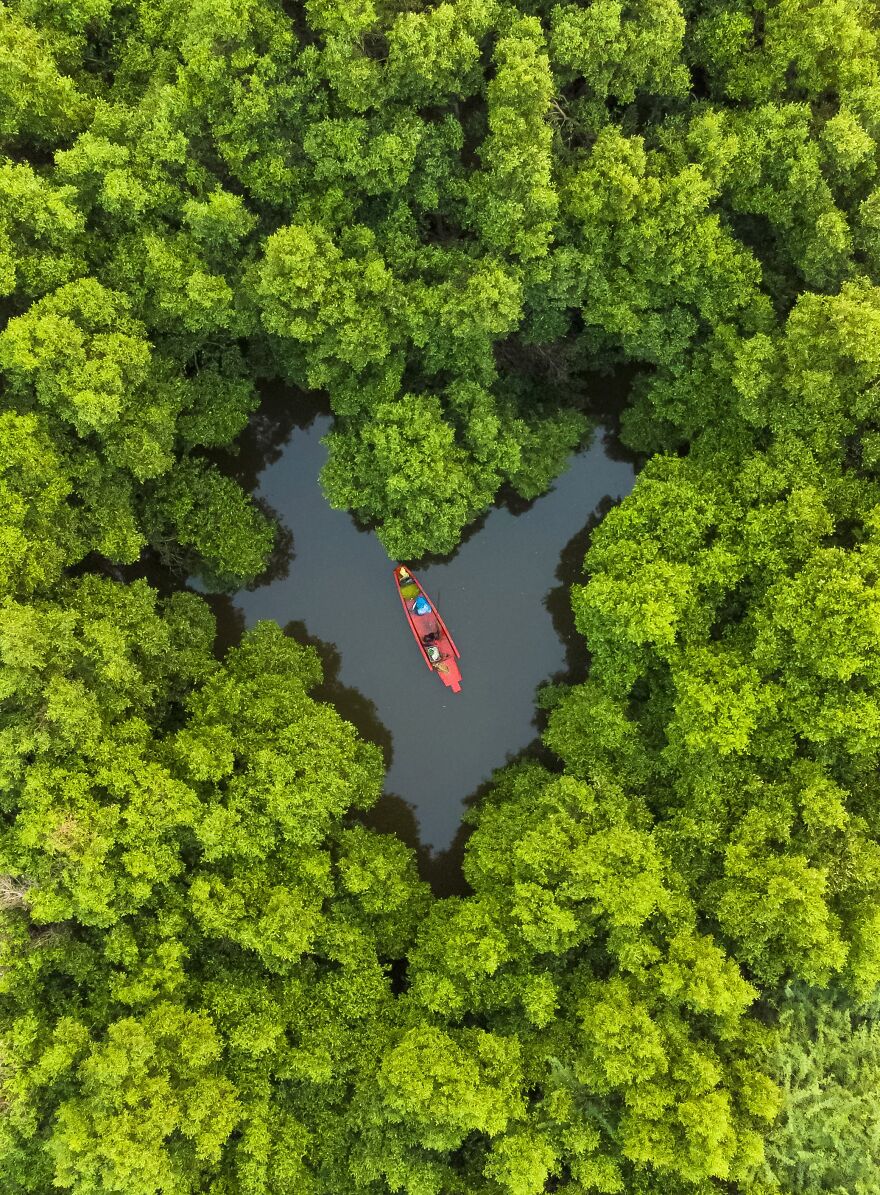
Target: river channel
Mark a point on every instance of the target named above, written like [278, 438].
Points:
[503, 595]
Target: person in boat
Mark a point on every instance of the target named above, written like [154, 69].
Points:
[403, 577]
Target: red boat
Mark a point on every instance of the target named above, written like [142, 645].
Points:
[435, 643]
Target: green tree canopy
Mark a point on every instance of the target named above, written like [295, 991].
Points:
[451, 217]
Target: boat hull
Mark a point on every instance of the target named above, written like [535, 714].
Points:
[429, 631]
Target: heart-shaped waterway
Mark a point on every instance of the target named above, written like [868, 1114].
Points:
[493, 595]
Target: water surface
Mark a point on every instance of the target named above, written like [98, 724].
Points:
[500, 595]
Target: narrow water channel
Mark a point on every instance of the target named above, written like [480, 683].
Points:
[501, 594]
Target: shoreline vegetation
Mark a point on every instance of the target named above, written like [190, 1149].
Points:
[448, 218]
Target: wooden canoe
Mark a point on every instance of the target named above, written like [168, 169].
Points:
[429, 630]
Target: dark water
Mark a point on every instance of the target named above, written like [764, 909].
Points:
[503, 596]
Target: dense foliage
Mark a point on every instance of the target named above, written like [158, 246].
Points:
[450, 217]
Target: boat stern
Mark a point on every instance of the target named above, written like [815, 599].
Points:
[450, 675]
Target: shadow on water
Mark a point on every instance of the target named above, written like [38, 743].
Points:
[282, 555]
[444, 869]
[229, 619]
[282, 410]
[353, 705]
[608, 396]
[558, 599]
